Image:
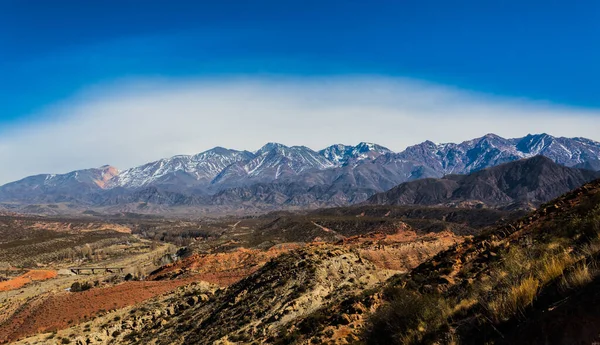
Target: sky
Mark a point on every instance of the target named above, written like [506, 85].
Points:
[88, 83]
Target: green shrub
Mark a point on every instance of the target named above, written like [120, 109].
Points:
[78, 287]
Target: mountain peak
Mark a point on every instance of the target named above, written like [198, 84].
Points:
[366, 146]
[534, 144]
[270, 146]
[218, 151]
[426, 145]
[341, 154]
[491, 137]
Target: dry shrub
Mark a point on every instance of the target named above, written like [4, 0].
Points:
[513, 300]
[553, 267]
[516, 262]
[464, 305]
[590, 249]
[580, 276]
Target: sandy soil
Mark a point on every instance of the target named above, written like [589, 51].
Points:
[26, 278]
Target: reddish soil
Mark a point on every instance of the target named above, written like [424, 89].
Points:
[61, 310]
[222, 268]
[400, 251]
[28, 277]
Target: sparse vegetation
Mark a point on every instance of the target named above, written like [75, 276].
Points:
[28, 242]
[505, 280]
[553, 267]
[514, 299]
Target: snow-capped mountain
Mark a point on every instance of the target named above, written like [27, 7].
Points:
[273, 162]
[181, 170]
[336, 175]
[491, 150]
[565, 151]
[341, 154]
[463, 158]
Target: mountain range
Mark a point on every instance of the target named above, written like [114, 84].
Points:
[293, 176]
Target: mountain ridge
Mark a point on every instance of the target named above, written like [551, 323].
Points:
[528, 181]
[339, 174]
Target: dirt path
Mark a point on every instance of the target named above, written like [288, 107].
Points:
[337, 235]
[28, 277]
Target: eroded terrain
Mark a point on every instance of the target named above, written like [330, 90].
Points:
[240, 279]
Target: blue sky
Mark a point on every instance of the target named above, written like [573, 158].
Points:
[545, 50]
[55, 54]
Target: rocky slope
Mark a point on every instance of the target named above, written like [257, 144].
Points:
[529, 282]
[529, 181]
[262, 307]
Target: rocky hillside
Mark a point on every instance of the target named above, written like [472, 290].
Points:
[278, 176]
[261, 303]
[525, 182]
[529, 282]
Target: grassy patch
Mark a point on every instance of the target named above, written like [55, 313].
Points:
[553, 267]
[578, 277]
[407, 318]
[515, 299]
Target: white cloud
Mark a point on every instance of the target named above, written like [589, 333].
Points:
[133, 122]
